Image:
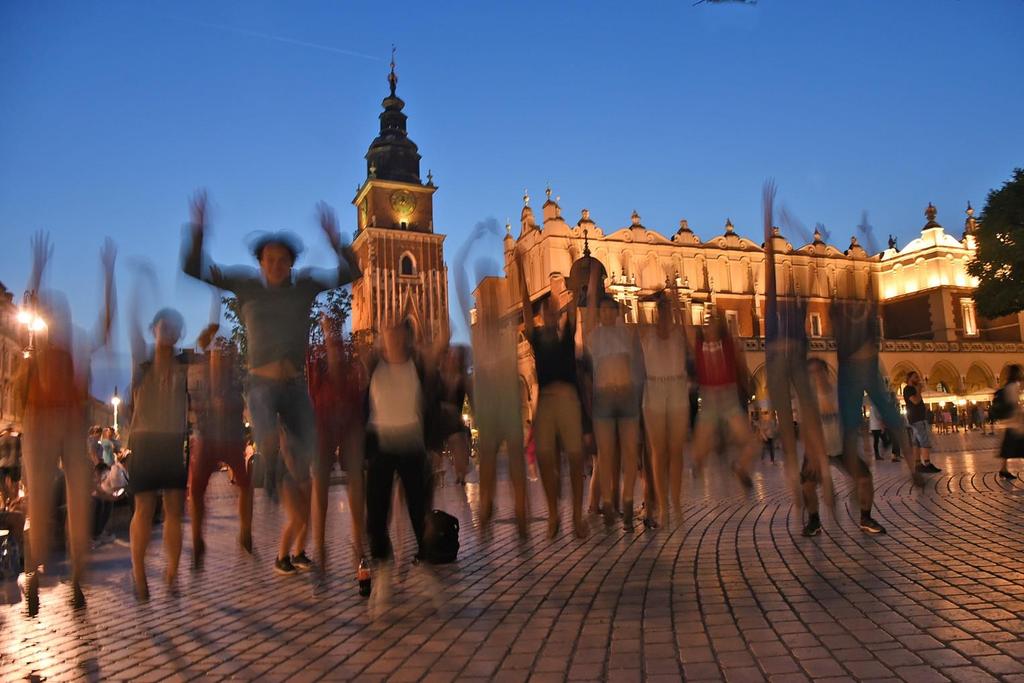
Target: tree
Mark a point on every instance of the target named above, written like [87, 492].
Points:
[999, 261]
[335, 305]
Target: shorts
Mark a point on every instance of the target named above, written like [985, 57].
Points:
[158, 462]
[719, 405]
[286, 402]
[920, 435]
[206, 457]
[667, 396]
[616, 404]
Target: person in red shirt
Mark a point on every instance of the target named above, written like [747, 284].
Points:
[722, 375]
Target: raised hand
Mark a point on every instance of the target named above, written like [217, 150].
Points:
[198, 209]
[108, 256]
[42, 251]
[329, 224]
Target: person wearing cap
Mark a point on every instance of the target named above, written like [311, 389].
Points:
[275, 302]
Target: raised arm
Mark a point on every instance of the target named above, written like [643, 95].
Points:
[348, 264]
[524, 293]
[196, 262]
[42, 250]
[108, 257]
[461, 279]
[771, 321]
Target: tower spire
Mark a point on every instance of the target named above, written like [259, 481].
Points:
[393, 77]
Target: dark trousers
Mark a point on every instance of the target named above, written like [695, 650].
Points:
[101, 510]
[876, 436]
[413, 469]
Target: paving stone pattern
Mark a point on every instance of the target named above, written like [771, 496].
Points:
[733, 592]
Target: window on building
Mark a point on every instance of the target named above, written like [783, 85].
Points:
[816, 325]
[970, 317]
[406, 265]
[697, 314]
[732, 321]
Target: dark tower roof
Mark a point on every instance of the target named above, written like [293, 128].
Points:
[392, 155]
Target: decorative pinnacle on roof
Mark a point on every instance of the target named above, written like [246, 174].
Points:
[970, 209]
[892, 242]
[508, 227]
[635, 220]
[729, 229]
[526, 197]
[393, 77]
[586, 244]
[817, 236]
[683, 225]
[930, 212]
[430, 178]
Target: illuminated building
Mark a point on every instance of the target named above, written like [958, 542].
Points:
[929, 321]
[402, 258]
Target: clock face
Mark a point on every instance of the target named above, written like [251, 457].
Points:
[403, 202]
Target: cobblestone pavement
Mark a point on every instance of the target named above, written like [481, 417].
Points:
[733, 592]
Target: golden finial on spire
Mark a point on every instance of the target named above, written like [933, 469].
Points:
[393, 77]
[526, 197]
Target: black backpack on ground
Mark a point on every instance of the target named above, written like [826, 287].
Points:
[442, 538]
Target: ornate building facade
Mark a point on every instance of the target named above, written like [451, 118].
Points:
[928, 316]
[402, 257]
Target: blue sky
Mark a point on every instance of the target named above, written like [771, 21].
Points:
[113, 113]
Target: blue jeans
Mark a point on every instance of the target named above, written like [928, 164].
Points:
[284, 404]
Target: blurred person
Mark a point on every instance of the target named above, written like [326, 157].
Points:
[849, 461]
[158, 440]
[496, 401]
[666, 402]
[337, 384]
[10, 466]
[917, 416]
[216, 404]
[402, 389]
[878, 433]
[722, 374]
[453, 389]
[54, 391]
[786, 347]
[275, 302]
[106, 442]
[558, 418]
[617, 357]
[768, 427]
[1013, 438]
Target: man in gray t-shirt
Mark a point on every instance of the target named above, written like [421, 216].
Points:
[920, 430]
[275, 302]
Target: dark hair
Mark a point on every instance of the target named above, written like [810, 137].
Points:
[171, 317]
[282, 238]
[1014, 373]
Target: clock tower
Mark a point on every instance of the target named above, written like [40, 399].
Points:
[402, 258]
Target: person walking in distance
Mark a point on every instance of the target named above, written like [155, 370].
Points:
[1013, 438]
[275, 302]
[53, 384]
[917, 416]
[558, 421]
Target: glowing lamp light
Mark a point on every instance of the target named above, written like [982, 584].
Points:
[116, 401]
[24, 317]
[37, 324]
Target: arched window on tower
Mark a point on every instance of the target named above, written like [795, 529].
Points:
[407, 265]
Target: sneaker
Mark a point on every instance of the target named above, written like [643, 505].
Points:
[871, 526]
[301, 562]
[813, 526]
[921, 467]
[284, 567]
[930, 467]
[380, 593]
[1003, 474]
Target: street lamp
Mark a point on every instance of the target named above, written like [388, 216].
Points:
[31, 320]
[115, 401]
